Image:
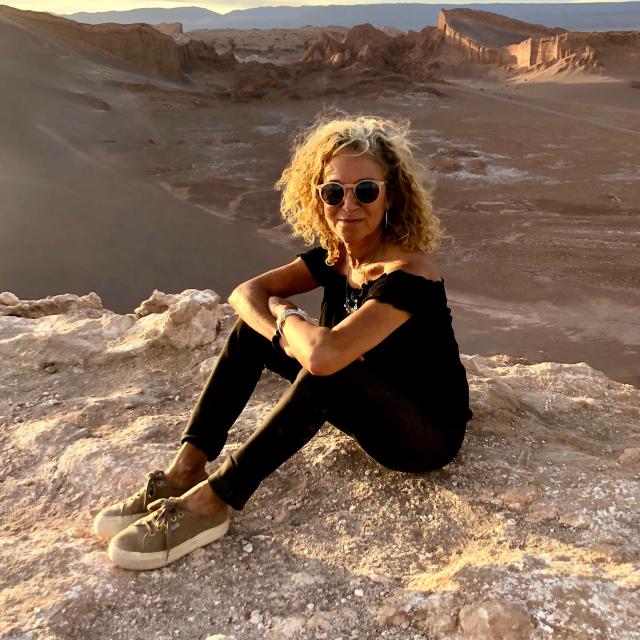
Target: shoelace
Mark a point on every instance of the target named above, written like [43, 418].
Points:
[166, 513]
[153, 478]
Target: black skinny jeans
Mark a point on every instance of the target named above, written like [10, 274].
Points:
[390, 427]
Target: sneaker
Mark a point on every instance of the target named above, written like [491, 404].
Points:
[166, 534]
[113, 519]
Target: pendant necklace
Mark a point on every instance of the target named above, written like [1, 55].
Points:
[352, 299]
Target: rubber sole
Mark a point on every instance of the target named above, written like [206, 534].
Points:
[110, 526]
[138, 561]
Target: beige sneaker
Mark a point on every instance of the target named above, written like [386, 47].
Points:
[165, 535]
[116, 517]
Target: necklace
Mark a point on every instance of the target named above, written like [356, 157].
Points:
[352, 299]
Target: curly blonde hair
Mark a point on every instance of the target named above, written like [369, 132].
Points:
[411, 221]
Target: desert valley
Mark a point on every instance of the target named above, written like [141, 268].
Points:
[142, 157]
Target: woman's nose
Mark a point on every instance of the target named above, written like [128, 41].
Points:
[350, 202]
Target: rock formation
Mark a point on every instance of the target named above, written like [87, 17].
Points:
[362, 43]
[463, 37]
[482, 31]
[279, 46]
[412, 55]
[173, 29]
[531, 533]
[487, 38]
[141, 45]
[480, 38]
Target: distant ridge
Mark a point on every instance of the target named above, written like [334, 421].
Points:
[191, 17]
[592, 16]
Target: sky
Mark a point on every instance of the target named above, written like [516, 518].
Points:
[221, 6]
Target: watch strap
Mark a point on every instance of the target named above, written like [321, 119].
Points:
[275, 342]
[289, 312]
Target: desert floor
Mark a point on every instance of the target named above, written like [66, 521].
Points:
[529, 534]
[537, 187]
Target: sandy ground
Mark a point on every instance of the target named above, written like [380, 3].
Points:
[78, 212]
[530, 534]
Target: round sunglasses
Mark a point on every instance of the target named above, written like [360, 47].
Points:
[365, 191]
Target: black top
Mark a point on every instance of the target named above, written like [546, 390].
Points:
[421, 356]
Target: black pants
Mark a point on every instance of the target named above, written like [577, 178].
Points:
[390, 427]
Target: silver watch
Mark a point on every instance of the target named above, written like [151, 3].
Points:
[289, 312]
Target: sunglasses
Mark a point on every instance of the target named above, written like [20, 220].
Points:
[365, 191]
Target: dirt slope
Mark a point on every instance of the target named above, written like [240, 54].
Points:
[530, 534]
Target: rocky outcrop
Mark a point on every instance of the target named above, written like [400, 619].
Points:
[487, 38]
[413, 55]
[70, 329]
[11, 305]
[173, 29]
[474, 28]
[139, 44]
[530, 534]
[607, 50]
[363, 43]
[150, 49]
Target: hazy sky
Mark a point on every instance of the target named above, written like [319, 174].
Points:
[221, 6]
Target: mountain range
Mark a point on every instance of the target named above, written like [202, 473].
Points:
[592, 16]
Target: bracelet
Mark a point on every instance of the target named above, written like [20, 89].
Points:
[289, 312]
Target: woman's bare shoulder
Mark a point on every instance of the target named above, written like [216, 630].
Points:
[418, 263]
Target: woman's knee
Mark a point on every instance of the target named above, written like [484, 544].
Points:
[306, 383]
[435, 457]
[353, 375]
[245, 335]
[244, 330]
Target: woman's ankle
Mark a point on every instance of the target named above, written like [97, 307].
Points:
[187, 467]
[202, 499]
[185, 479]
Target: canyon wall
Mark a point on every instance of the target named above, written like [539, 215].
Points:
[471, 49]
[471, 31]
[140, 45]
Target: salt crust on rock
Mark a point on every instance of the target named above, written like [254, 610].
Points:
[186, 320]
[495, 619]
[11, 305]
[531, 533]
[68, 329]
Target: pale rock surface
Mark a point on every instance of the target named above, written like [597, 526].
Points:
[8, 299]
[531, 533]
[68, 329]
[495, 619]
[10, 305]
[187, 320]
[173, 29]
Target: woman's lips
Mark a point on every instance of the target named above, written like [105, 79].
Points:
[350, 221]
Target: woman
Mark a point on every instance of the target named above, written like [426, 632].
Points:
[383, 366]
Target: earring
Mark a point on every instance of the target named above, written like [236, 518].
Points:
[386, 222]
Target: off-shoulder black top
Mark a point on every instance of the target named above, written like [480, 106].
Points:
[420, 357]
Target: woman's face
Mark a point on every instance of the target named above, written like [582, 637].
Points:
[351, 220]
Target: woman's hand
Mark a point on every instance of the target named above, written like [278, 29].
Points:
[285, 345]
[277, 305]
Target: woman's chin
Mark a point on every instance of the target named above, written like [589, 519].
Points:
[350, 232]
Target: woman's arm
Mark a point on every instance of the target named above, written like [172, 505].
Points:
[251, 298]
[323, 351]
